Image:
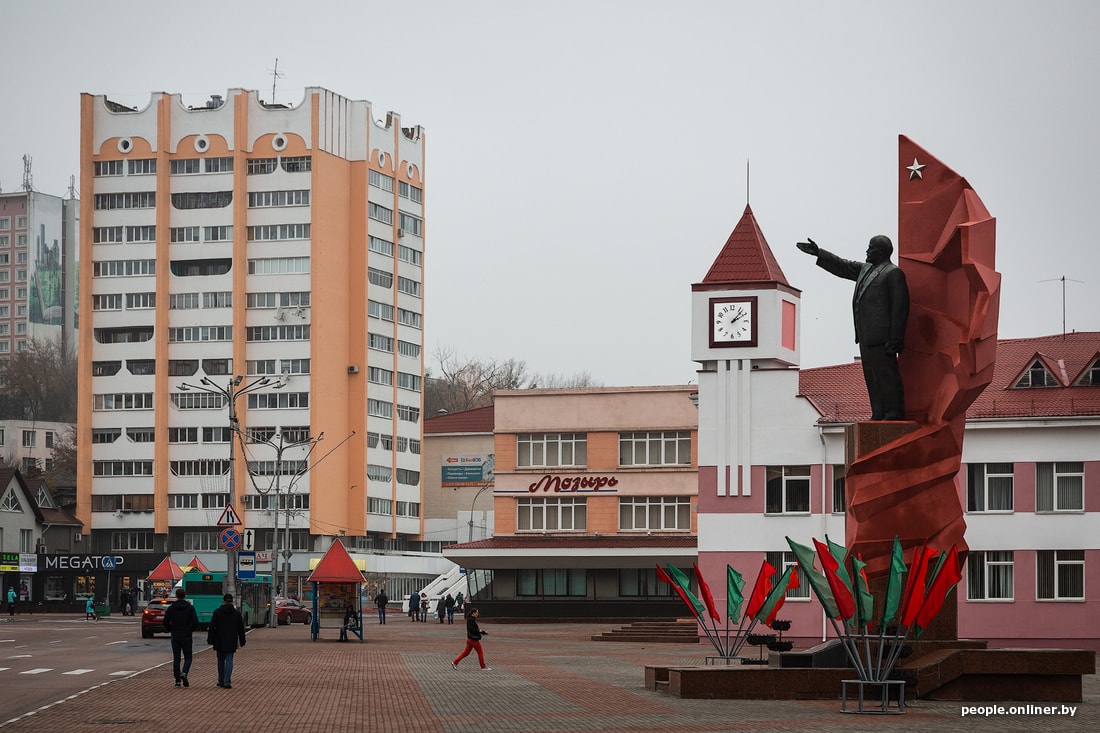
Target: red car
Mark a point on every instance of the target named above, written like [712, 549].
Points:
[152, 618]
[290, 611]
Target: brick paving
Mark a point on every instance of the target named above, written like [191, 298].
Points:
[547, 677]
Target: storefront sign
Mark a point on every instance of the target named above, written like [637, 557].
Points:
[466, 470]
[9, 562]
[28, 562]
[83, 562]
[562, 484]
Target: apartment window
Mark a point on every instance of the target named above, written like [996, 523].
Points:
[989, 576]
[184, 234]
[408, 223]
[109, 302]
[200, 541]
[259, 367]
[208, 467]
[408, 318]
[141, 367]
[183, 501]
[277, 333]
[260, 166]
[381, 278]
[182, 367]
[183, 166]
[378, 408]
[551, 449]
[408, 254]
[787, 490]
[135, 335]
[103, 168]
[294, 366]
[123, 268]
[222, 233]
[49, 438]
[198, 401]
[107, 235]
[408, 509]
[407, 477]
[410, 192]
[408, 286]
[130, 200]
[141, 435]
[218, 299]
[141, 301]
[5, 222]
[278, 401]
[379, 506]
[408, 381]
[123, 401]
[217, 435]
[380, 180]
[408, 413]
[105, 435]
[191, 200]
[551, 514]
[183, 435]
[279, 266]
[131, 541]
[223, 164]
[383, 311]
[141, 234]
[379, 473]
[989, 487]
[380, 342]
[141, 167]
[269, 199]
[781, 561]
[121, 468]
[381, 246]
[278, 232]
[297, 164]
[30, 438]
[380, 213]
[201, 268]
[379, 375]
[655, 513]
[184, 334]
[407, 348]
[1060, 575]
[656, 448]
[839, 506]
[105, 368]
[1060, 487]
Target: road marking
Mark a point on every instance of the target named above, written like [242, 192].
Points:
[112, 643]
[38, 670]
[21, 656]
[4, 669]
[79, 671]
[122, 672]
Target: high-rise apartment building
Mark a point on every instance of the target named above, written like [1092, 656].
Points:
[253, 279]
[38, 245]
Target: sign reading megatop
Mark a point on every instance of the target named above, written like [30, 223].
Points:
[559, 484]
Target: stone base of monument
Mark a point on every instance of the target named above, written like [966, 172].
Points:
[962, 670]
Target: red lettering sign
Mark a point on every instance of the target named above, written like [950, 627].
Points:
[563, 484]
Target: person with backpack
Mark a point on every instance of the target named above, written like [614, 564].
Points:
[180, 620]
[225, 633]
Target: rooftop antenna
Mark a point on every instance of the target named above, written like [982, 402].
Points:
[28, 179]
[275, 77]
[747, 178]
[72, 187]
[1063, 280]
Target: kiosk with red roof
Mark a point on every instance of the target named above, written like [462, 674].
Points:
[336, 583]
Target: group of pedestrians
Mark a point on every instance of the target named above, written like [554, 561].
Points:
[225, 634]
[445, 607]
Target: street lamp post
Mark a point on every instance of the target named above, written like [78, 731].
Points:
[489, 475]
[230, 393]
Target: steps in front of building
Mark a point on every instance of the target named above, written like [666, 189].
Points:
[657, 631]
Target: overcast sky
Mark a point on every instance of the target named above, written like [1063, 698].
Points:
[587, 160]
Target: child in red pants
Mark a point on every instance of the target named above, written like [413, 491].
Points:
[473, 640]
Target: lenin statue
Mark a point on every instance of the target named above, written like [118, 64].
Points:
[880, 307]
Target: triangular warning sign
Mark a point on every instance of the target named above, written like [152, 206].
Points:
[229, 517]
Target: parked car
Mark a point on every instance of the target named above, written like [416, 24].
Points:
[290, 611]
[152, 618]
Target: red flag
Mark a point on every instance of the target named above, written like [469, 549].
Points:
[662, 575]
[760, 590]
[842, 594]
[914, 584]
[792, 582]
[948, 577]
[704, 590]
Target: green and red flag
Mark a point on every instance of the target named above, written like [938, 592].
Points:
[947, 578]
[704, 590]
[893, 584]
[816, 580]
[915, 584]
[840, 553]
[663, 576]
[865, 602]
[735, 584]
[760, 590]
[842, 592]
[685, 585]
[777, 596]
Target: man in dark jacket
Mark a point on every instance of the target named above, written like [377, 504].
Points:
[180, 620]
[225, 633]
[880, 309]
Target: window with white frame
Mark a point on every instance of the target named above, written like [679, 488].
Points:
[1060, 575]
[536, 450]
[30, 438]
[839, 506]
[1060, 486]
[655, 448]
[787, 490]
[551, 514]
[989, 575]
[378, 375]
[781, 561]
[129, 541]
[408, 286]
[408, 254]
[1037, 375]
[183, 501]
[140, 234]
[222, 164]
[655, 513]
[380, 213]
[381, 278]
[989, 487]
[409, 224]
[380, 180]
[379, 342]
[379, 245]
[408, 191]
[409, 318]
[407, 348]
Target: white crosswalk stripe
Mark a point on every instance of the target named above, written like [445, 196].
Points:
[38, 670]
[79, 671]
[122, 672]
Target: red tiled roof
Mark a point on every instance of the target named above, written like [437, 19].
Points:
[336, 566]
[746, 257]
[477, 420]
[60, 517]
[585, 541]
[839, 394]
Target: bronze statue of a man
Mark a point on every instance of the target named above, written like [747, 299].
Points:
[880, 308]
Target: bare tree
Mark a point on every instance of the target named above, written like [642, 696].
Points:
[39, 383]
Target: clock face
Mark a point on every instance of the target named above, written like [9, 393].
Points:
[733, 321]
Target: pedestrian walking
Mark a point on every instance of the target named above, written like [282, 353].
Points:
[180, 620]
[225, 633]
[381, 600]
[449, 603]
[89, 610]
[11, 600]
[473, 640]
[414, 606]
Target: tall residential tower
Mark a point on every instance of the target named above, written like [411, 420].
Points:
[260, 262]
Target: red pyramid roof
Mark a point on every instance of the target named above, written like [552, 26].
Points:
[166, 570]
[336, 567]
[746, 257]
[197, 564]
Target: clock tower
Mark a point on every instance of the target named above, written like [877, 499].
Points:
[744, 329]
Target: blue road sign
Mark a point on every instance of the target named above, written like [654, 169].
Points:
[230, 538]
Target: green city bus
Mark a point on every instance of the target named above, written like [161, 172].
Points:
[205, 591]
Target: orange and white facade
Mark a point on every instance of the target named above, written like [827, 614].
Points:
[252, 240]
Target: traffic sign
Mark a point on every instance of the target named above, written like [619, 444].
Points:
[249, 541]
[229, 517]
[246, 565]
[230, 538]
